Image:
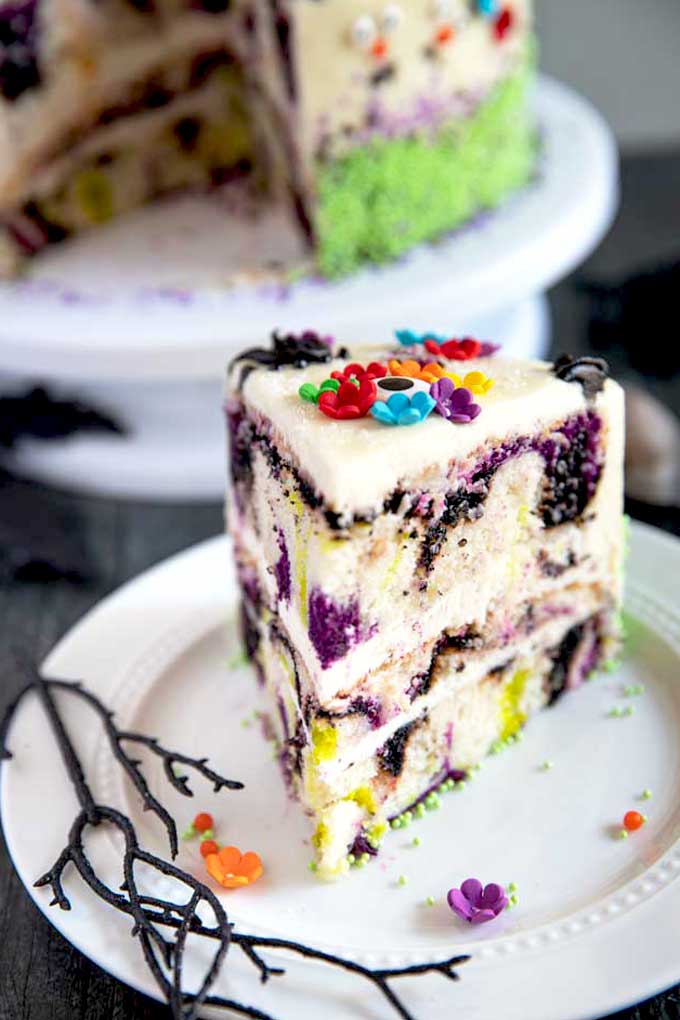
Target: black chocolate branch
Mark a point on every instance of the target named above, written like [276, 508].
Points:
[163, 926]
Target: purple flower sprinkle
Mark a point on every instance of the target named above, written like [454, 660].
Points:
[476, 904]
[454, 403]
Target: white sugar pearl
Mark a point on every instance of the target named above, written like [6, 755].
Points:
[364, 30]
[392, 17]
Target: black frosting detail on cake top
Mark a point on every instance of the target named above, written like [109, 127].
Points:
[591, 373]
[288, 350]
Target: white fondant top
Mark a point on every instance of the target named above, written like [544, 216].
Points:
[355, 464]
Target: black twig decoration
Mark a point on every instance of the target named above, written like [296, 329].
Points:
[162, 926]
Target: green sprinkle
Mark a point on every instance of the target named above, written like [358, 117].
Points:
[430, 901]
[615, 712]
[365, 858]
[313, 866]
[395, 823]
[351, 859]
[309, 393]
[419, 810]
[622, 834]
[432, 802]
[329, 386]
[207, 834]
[360, 863]
[403, 880]
[514, 900]
[519, 736]
[512, 887]
[644, 818]
[547, 765]
[460, 785]
[646, 795]
[496, 747]
[417, 840]
[443, 788]
[628, 710]
[189, 833]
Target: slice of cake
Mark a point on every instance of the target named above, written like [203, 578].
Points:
[375, 125]
[429, 551]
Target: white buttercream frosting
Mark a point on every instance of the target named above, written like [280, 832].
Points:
[355, 464]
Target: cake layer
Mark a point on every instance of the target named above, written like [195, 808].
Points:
[381, 125]
[504, 513]
[401, 187]
[195, 140]
[420, 572]
[399, 691]
[84, 75]
[471, 710]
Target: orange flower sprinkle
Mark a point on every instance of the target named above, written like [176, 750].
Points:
[232, 869]
[427, 373]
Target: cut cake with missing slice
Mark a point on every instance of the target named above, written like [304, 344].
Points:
[417, 580]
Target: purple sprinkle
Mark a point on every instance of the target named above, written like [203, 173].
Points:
[476, 904]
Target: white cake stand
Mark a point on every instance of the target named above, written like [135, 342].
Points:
[136, 318]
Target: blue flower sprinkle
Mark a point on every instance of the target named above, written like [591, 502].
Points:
[488, 8]
[400, 410]
[408, 338]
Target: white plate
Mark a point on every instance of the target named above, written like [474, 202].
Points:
[147, 296]
[598, 925]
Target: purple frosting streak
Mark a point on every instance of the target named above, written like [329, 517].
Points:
[334, 628]
[282, 570]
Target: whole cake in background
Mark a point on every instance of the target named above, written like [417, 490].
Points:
[376, 125]
[429, 545]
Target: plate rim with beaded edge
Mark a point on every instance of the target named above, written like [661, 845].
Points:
[598, 921]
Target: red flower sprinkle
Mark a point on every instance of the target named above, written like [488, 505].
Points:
[209, 846]
[374, 371]
[351, 400]
[504, 23]
[455, 350]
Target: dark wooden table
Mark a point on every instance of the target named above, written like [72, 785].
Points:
[41, 976]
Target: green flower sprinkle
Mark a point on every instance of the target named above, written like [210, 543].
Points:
[309, 393]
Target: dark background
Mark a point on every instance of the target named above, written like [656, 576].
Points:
[41, 976]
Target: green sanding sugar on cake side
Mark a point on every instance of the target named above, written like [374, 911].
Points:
[391, 194]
